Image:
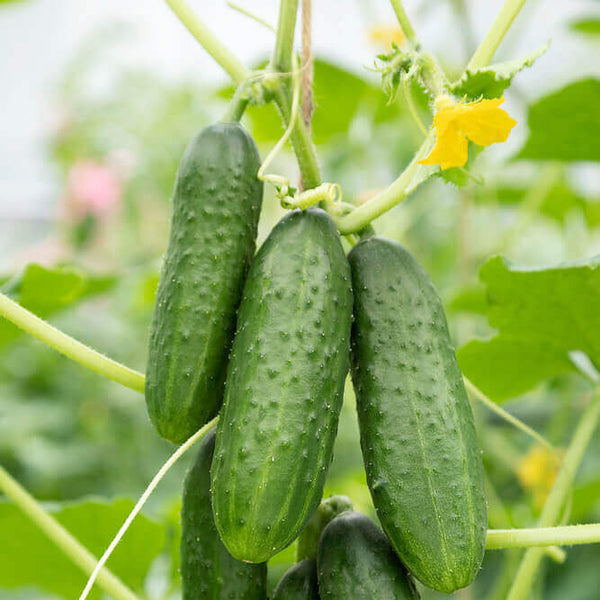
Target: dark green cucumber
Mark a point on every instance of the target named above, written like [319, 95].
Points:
[216, 207]
[208, 571]
[299, 583]
[284, 387]
[357, 562]
[308, 541]
[418, 439]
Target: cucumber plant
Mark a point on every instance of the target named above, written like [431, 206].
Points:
[261, 345]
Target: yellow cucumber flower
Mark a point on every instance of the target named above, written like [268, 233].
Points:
[482, 122]
[387, 36]
[536, 472]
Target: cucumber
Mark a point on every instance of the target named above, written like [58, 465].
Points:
[357, 562]
[216, 207]
[308, 541]
[299, 583]
[208, 571]
[284, 387]
[418, 438]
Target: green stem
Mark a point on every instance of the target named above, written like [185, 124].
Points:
[72, 548]
[281, 60]
[237, 106]
[71, 348]
[302, 144]
[404, 21]
[499, 539]
[412, 176]
[557, 497]
[486, 50]
[209, 41]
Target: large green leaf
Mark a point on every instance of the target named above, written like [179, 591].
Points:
[565, 126]
[490, 82]
[29, 558]
[542, 315]
[45, 291]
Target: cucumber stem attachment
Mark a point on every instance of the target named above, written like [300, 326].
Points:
[71, 348]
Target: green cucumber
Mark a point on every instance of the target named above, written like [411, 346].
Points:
[299, 583]
[216, 207]
[418, 438]
[284, 387]
[357, 562]
[208, 571]
[308, 541]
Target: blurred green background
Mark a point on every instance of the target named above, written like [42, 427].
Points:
[90, 265]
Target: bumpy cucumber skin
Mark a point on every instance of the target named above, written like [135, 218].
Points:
[357, 562]
[284, 387]
[216, 207]
[299, 583]
[418, 438]
[208, 571]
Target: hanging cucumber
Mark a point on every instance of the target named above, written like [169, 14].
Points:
[357, 562]
[208, 571]
[284, 387]
[299, 583]
[216, 207]
[418, 439]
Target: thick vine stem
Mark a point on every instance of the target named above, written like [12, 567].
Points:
[486, 50]
[569, 535]
[552, 508]
[72, 548]
[209, 41]
[281, 61]
[68, 346]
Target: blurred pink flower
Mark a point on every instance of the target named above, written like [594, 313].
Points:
[93, 188]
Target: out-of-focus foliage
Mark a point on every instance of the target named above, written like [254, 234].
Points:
[542, 315]
[31, 559]
[565, 125]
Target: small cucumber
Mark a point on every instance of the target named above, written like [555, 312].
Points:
[299, 583]
[418, 438]
[216, 207]
[208, 571]
[357, 562]
[284, 387]
[308, 541]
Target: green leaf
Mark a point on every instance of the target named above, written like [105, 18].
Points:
[560, 201]
[29, 558]
[542, 315]
[45, 291]
[590, 26]
[469, 299]
[490, 82]
[565, 126]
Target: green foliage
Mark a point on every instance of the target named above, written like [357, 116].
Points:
[541, 316]
[565, 125]
[46, 291]
[589, 26]
[490, 82]
[28, 558]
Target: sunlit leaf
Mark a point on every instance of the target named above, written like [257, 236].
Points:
[29, 558]
[565, 125]
[541, 316]
[589, 26]
[45, 291]
[490, 82]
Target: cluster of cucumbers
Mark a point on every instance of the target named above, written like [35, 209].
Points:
[266, 341]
